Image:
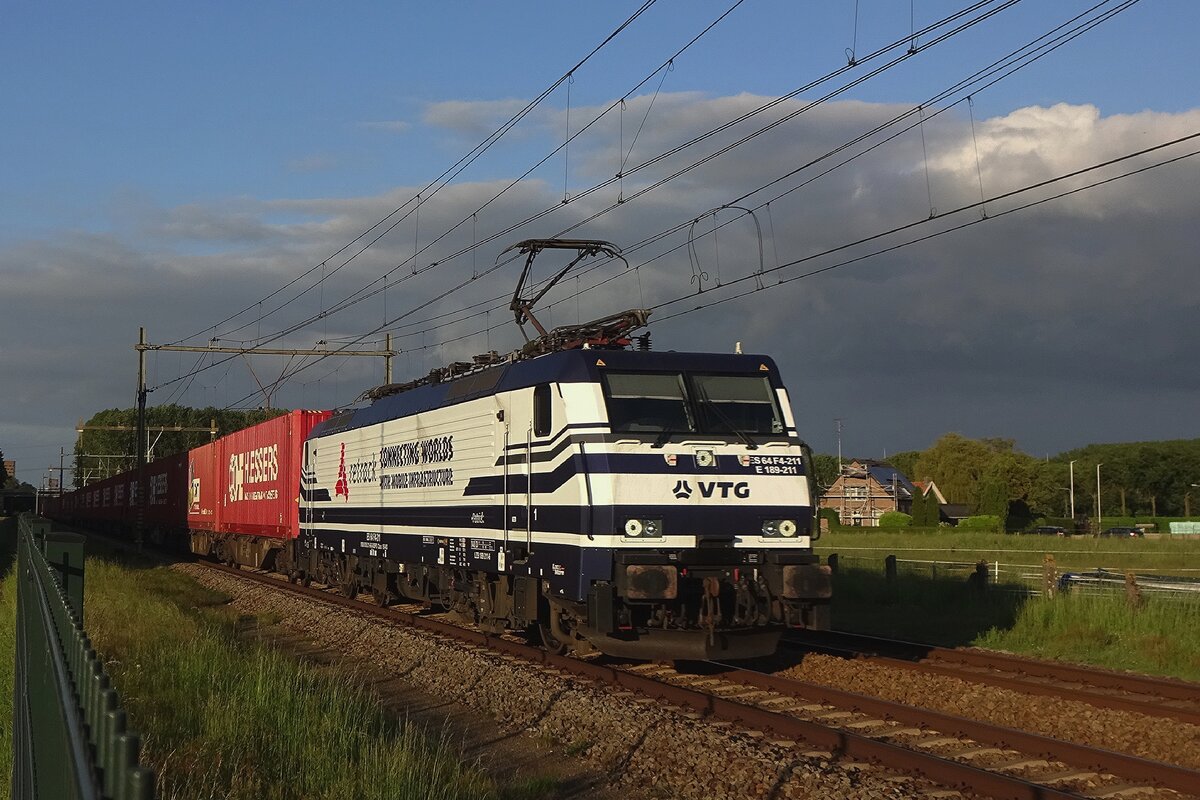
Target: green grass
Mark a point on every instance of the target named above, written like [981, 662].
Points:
[8, 648]
[1071, 552]
[225, 718]
[1159, 636]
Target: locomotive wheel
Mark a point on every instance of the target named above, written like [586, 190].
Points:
[305, 579]
[549, 642]
[382, 597]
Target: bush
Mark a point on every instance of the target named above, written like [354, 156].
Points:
[983, 522]
[895, 519]
[831, 515]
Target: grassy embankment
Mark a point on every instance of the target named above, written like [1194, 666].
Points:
[1157, 636]
[8, 648]
[224, 718]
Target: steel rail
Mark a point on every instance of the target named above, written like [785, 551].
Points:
[838, 742]
[1018, 673]
[1155, 773]
[1018, 683]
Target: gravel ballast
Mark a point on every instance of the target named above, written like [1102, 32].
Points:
[1154, 738]
[647, 748]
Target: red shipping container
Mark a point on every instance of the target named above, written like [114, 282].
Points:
[166, 493]
[205, 487]
[260, 478]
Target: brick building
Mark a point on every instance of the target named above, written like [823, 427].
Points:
[865, 490]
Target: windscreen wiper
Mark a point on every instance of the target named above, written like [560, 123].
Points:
[664, 437]
[703, 397]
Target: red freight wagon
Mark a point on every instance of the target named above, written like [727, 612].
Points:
[166, 489]
[256, 473]
[204, 487]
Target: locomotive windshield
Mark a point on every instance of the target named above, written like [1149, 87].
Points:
[647, 402]
[676, 402]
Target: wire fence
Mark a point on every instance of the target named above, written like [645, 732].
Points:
[1025, 579]
[70, 740]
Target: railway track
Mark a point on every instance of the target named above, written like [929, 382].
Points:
[1142, 694]
[968, 756]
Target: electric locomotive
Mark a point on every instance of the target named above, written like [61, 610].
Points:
[637, 503]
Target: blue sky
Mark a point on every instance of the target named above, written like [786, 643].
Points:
[189, 158]
[185, 102]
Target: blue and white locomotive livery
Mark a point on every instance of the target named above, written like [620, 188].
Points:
[641, 504]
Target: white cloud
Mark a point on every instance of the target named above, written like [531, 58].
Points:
[471, 117]
[1064, 324]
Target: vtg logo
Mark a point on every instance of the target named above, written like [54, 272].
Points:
[708, 489]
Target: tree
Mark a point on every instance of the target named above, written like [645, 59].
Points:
[906, 462]
[993, 498]
[102, 453]
[956, 464]
[825, 470]
[925, 510]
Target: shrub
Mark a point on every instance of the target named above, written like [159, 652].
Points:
[831, 515]
[983, 522]
[895, 519]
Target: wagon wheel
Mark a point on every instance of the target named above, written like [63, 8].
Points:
[550, 643]
[382, 597]
[305, 579]
[344, 579]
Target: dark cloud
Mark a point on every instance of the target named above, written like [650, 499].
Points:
[1068, 323]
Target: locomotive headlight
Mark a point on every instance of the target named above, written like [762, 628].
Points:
[646, 528]
[780, 527]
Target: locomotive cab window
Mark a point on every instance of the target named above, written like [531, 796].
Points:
[741, 403]
[654, 402]
[541, 410]
[647, 402]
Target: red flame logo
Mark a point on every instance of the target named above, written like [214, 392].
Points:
[342, 487]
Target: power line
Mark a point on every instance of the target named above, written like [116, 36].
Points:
[435, 185]
[364, 294]
[936, 217]
[1005, 66]
[922, 222]
[906, 39]
[350, 300]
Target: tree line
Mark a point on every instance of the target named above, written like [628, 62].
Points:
[990, 476]
[102, 453]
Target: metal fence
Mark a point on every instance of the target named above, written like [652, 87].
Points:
[1026, 579]
[70, 740]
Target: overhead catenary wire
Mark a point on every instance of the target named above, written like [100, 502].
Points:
[444, 178]
[366, 293]
[358, 297]
[915, 224]
[1053, 43]
[487, 272]
[993, 73]
[977, 221]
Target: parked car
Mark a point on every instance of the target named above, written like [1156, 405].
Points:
[1049, 530]
[1122, 531]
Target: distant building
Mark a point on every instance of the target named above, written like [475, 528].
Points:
[866, 490]
[950, 513]
[10, 468]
